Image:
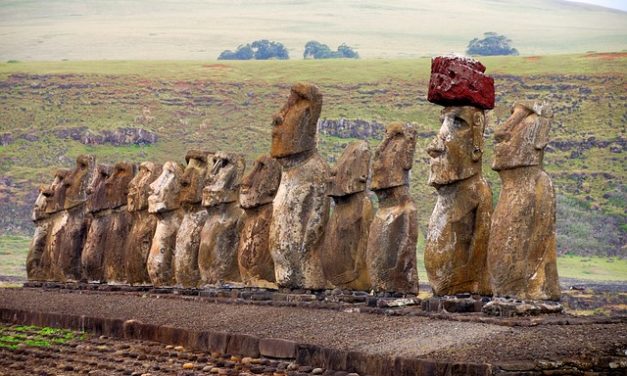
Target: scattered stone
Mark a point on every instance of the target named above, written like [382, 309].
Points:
[188, 366]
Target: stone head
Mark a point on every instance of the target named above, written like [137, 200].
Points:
[139, 187]
[261, 184]
[165, 190]
[117, 184]
[350, 174]
[78, 180]
[457, 149]
[521, 140]
[55, 192]
[39, 209]
[295, 126]
[394, 157]
[193, 179]
[96, 190]
[224, 179]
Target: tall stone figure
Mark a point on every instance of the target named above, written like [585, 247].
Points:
[116, 188]
[188, 236]
[255, 197]
[301, 206]
[142, 231]
[522, 257]
[98, 207]
[164, 202]
[459, 229]
[44, 214]
[346, 234]
[391, 253]
[70, 233]
[217, 256]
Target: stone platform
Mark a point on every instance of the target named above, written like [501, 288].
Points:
[368, 340]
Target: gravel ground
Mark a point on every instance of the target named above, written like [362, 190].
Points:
[407, 336]
[376, 334]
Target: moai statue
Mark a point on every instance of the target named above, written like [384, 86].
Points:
[188, 236]
[71, 232]
[459, 229]
[346, 234]
[255, 197]
[217, 256]
[391, 253]
[144, 223]
[164, 202]
[92, 258]
[522, 257]
[45, 208]
[301, 207]
[116, 188]
[54, 203]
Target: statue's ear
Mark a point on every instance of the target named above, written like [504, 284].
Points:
[478, 127]
[542, 128]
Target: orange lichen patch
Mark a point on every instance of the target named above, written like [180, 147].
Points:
[607, 55]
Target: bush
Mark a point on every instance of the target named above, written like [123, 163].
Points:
[258, 50]
[317, 50]
[492, 44]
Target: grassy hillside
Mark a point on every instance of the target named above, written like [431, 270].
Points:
[228, 106]
[199, 29]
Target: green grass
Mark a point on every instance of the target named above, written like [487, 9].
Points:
[13, 252]
[13, 337]
[592, 268]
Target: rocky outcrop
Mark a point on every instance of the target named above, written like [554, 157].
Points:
[117, 137]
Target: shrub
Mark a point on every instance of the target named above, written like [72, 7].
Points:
[492, 44]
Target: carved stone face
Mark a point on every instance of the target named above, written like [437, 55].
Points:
[261, 184]
[78, 181]
[96, 191]
[39, 209]
[194, 175]
[521, 140]
[350, 174]
[456, 150]
[55, 193]
[117, 184]
[296, 125]
[224, 179]
[139, 187]
[394, 157]
[165, 190]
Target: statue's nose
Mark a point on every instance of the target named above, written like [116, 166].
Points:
[435, 148]
[277, 119]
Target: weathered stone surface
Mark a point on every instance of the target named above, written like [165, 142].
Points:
[188, 236]
[164, 202]
[503, 307]
[217, 256]
[459, 229]
[92, 258]
[295, 125]
[301, 207]
[142, 231]
[391, 253]
[346, 233]
[121, 220]
[70, 231]
[460, 81]
[35, 268]
[255, 197]
[522, 257]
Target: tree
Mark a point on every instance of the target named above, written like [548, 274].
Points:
[317, 50]
[258, 50]
[491, 45]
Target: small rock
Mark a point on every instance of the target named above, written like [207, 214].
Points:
[317, 371]
[188, 366]
[214, 370]
[179, 348]
[292, 367]
[169, 347]
[207, 368]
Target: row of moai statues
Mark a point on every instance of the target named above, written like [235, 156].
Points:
[294, 222]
